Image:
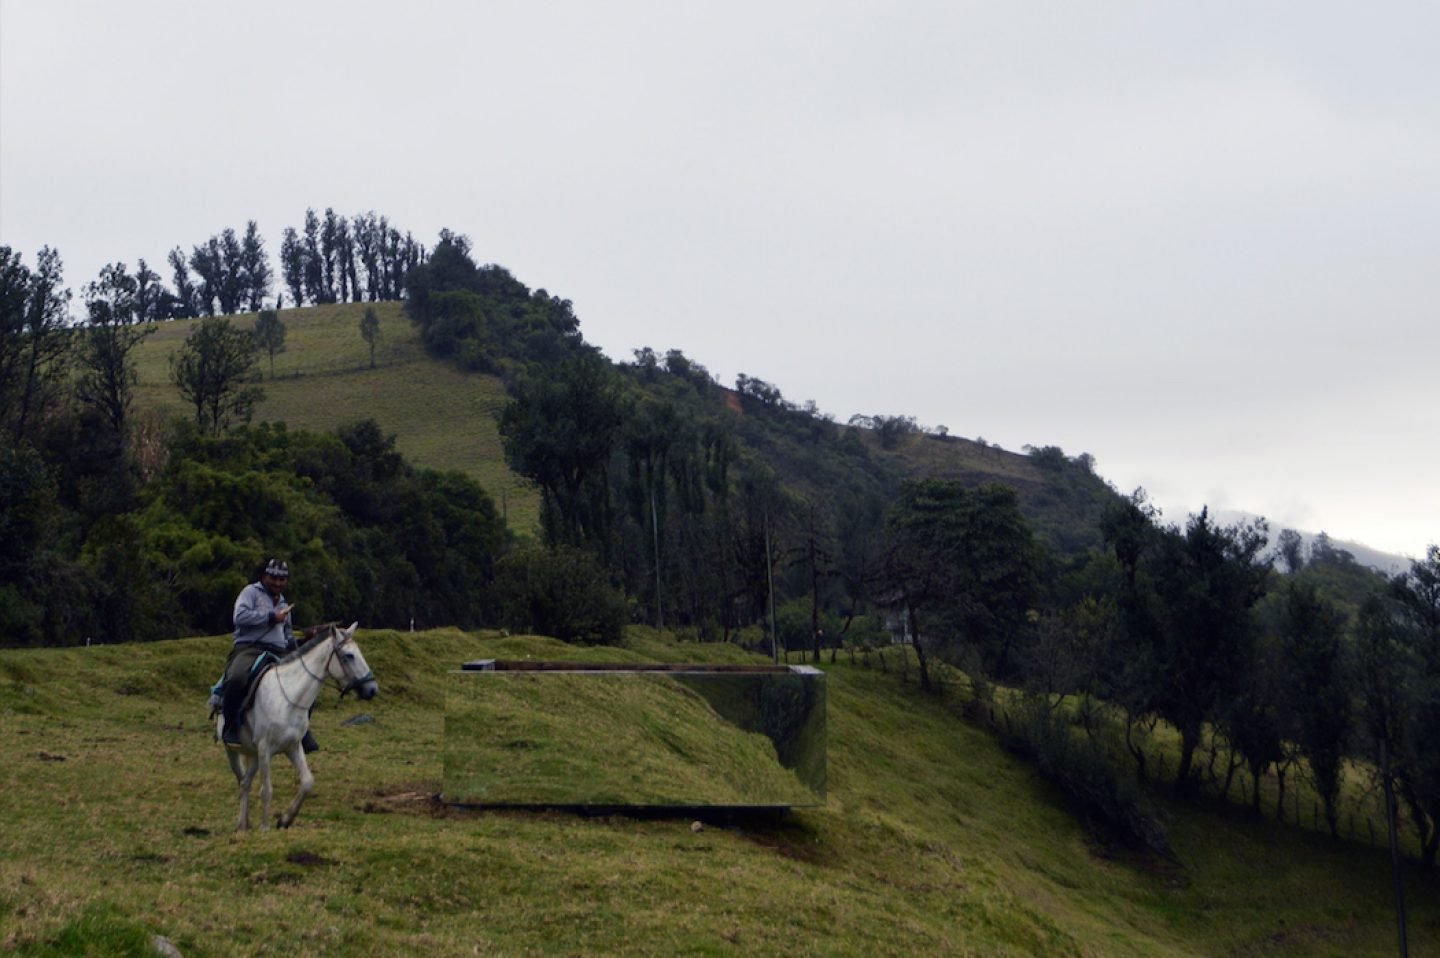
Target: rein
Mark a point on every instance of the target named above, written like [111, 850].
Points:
[325, 670]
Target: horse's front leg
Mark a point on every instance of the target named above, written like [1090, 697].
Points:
[305, 782]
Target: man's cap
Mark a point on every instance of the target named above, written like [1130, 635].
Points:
[277, 568]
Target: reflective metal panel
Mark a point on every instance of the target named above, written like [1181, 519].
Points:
[584, 734]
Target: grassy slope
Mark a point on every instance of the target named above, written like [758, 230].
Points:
[118, 808]
[442, 418]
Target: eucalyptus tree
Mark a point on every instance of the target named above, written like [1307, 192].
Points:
[153, 302]
[332, 275]
[232, 281]
[35, 343]
[292, 264]
[367, 236]
[313, 260]
[114, 328]
[187, 294]
[253, 269]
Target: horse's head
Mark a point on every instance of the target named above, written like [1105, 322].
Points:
[348, 666]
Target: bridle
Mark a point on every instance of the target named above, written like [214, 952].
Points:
[325, 677]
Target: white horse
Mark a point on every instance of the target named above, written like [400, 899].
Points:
[279, 716]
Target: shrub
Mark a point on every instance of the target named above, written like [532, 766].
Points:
[562, 592]
[1112, 802]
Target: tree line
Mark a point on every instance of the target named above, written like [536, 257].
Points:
[331, 258]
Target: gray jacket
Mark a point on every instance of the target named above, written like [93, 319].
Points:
[255, 620]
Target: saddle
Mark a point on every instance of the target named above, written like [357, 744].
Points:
[246, 666]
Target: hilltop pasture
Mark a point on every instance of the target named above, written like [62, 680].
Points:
[442, 418]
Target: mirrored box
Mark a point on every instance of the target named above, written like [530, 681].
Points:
[527, 733]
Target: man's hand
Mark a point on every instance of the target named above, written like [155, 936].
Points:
[283, 613]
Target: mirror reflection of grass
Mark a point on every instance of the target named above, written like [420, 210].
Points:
[615, 739]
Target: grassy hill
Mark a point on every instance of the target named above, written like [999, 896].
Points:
[118, 811]
[442, 418]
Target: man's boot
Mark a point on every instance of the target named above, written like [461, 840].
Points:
[230, 709]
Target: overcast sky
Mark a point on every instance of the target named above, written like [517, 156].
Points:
[1199, 241]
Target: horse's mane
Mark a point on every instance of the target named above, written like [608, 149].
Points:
[320, 632]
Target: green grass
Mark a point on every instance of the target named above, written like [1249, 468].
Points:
[509, 739]
[118, 809]
[442, 418]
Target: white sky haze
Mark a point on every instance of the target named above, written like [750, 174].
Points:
[1197, 241]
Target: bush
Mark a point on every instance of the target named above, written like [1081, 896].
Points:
[1112, 801]
[562, 592]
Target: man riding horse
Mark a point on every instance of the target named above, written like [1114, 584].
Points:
[262, 627]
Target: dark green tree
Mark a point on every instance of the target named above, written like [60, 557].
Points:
[187, 295]
[270, 335]
[153, 302]
[214, 371]
[1130, 673]
[208, 263]
[1317, 688]
[1208, 580]
[962, 563]
[35, 343]
[560, 431]
[1290, 549]
[232, 285]
[331, 273]
[253, 269]
[292, 265]
[1417, 603]
[1257, 722]
[370, 331]
[367, 239]
[560, 591]
[106, 370]
[313, 260]
[29, 523]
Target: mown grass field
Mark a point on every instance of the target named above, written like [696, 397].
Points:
[118, 811]
[442, 418]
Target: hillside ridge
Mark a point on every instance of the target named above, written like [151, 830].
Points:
[446, 418]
